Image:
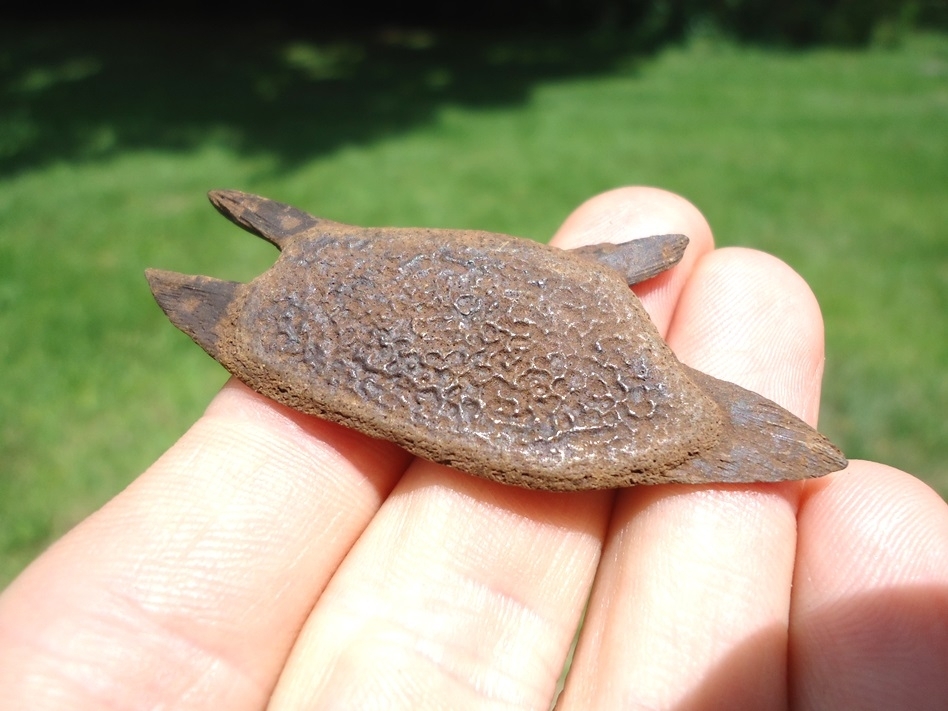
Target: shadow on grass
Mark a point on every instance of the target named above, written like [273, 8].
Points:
[85, 92]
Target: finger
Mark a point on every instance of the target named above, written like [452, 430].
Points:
[690, 605]
[630, 213]
[763, 330]
[461, 591]
[188, 589]
[869, 620]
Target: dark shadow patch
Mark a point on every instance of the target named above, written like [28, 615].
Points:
[81, 92]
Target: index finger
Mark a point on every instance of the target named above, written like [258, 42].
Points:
[188, 588]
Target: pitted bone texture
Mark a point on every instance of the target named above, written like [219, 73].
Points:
[499, 356]
[484, 353]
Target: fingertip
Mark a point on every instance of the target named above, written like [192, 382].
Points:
[870, 592]
[747, 317]
[630, 213]
[875, 514]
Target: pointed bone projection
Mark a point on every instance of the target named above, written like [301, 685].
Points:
[499, 356]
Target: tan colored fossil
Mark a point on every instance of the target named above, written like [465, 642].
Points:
[505, 358]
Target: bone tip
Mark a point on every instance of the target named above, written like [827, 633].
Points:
[162, 282]
[195, 304]
[230, 202]
[676, 243]
[837, 461]
[822, 456]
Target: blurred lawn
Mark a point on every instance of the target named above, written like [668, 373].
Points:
[836, 161]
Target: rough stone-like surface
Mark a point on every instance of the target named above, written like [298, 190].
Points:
[502, 357]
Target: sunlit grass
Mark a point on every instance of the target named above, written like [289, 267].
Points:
[836, 161]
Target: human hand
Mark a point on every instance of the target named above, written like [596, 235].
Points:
[271, 557]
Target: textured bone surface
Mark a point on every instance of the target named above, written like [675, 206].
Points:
[502, 357]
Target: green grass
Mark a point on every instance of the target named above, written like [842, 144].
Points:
[836, 161]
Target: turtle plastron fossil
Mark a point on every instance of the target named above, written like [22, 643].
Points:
[505, 358]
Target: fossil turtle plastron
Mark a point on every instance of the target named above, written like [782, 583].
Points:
[502, 357]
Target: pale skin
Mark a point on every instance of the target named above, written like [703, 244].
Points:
[273, 560]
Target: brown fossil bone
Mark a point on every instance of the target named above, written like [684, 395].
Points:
[505, 358]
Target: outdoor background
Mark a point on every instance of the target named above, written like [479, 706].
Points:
[826, 146]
